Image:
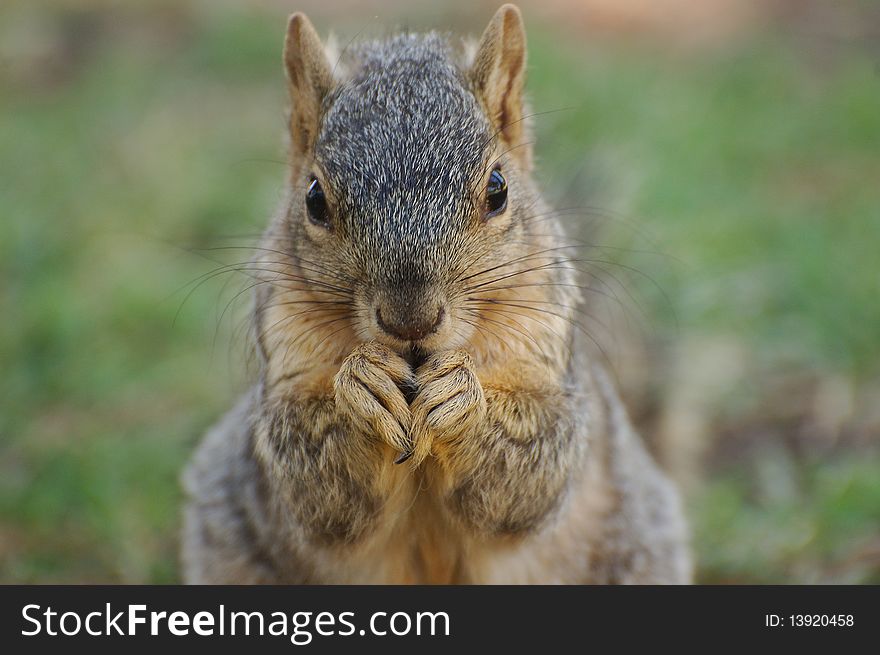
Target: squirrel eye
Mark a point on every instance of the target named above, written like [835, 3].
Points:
[496, 194]
[316, 204]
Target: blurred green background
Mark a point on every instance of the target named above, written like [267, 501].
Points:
[728, 153]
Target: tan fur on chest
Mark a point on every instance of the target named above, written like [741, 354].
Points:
[435, 554]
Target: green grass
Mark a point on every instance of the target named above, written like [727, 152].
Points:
[759, 172]
[814, 524]
[752, 167]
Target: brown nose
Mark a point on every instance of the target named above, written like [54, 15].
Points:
[409, 327]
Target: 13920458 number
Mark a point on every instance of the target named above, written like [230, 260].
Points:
[821, 620]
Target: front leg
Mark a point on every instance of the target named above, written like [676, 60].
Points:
[504, 447]
[327, 450]
[368, 392]
[450, 403]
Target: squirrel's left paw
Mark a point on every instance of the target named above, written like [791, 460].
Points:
[449, 403]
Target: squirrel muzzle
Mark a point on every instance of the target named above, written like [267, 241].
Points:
[411, 322]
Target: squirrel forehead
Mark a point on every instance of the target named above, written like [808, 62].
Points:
[405, 122]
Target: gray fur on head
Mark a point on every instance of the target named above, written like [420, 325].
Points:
[403, 146]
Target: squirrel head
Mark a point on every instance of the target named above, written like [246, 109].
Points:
[409, 177]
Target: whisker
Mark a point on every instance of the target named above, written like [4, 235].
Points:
[577, 310]
[510, 313]
[573, 323]
[312, 329]
[510, 327]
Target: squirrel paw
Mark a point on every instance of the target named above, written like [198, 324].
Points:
[450, 401]
[368, 392]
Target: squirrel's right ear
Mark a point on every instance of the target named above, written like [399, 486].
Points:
[498, 73]
[310, 79]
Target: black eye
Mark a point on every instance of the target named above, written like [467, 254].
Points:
[496, 194]
[316, 205]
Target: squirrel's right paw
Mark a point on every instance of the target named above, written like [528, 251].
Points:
[368, 392]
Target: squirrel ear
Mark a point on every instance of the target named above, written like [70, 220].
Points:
[498, 72]
[309, 78]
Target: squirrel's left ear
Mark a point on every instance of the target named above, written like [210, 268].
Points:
[310, 79]
[498, 73]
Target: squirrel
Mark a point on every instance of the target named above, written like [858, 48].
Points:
[426, 410]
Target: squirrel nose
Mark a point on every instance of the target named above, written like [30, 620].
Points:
[409, 327]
